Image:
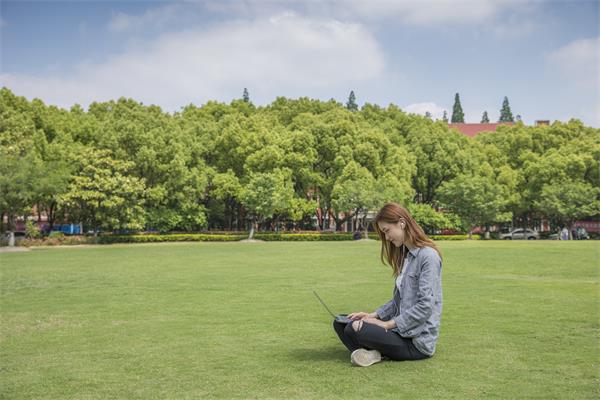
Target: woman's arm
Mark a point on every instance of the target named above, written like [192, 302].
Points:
[385, 311]
[411, 322]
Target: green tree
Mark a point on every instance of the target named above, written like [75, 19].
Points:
[441, 154]
[354, 192]
[478, 200]
[445, 117]
[300, 209]
[226, 187]
[351, 103]
[457, 112]
[103, 194]
[266, 193]
[18, 179]
[505, 112]
[568, 201]
[51, 181]
[432, 220]
[484, 118]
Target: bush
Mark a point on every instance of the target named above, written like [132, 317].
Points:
[455, 237]
[32, 231]
[187, 237]
[57, 240]
[202, 237]
[308, 237]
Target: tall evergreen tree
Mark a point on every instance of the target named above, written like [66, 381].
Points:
[445, 116]
[246, 96]
[505, 113]
[351, 104]
[457, 111]
[484, 118]
[428, 115]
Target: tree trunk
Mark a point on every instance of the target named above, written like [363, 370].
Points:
[252, 223]
[11, 227]
[229, 214]
[39, 212]
[50, 214]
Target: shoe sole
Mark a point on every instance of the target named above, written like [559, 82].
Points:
[364, 358]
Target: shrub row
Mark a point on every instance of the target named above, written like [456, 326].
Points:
[302, 237]
[56, 240]
[60, 239]
[454, 237]
[269, 237]
[179, 237]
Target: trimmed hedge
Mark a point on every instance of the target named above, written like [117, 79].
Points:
[304, 237]
[57, 240]
[268, 237]
[455, 237]
[206, 237]
[189, 237]
[201, 237]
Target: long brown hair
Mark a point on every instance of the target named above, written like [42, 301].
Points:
[414, 235]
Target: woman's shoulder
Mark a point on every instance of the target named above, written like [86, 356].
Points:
[427, 252]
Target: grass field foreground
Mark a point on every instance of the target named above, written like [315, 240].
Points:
[239, 320]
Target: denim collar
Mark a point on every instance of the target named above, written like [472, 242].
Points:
[412, 250]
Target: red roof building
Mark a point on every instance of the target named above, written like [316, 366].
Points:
[472, 130]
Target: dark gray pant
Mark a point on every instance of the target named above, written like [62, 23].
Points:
[374, 337]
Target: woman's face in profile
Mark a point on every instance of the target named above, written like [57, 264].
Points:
[394, 233]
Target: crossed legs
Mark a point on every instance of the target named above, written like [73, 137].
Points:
[362, 335]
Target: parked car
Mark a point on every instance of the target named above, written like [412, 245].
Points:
[581, 233]
[520, 233]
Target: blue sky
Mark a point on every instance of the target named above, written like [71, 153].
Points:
[543, 55]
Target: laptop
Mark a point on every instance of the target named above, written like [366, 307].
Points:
[342, 318]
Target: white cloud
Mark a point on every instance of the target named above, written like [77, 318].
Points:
[156, 17]
[416, 12]
[424, 12]
[516, 24]
[579, 61]
[421, 108]
[283, 55]
[429, 13]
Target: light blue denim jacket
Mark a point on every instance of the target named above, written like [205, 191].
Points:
[417, 306]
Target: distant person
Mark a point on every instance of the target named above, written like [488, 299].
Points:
[564, 234]
[357, 235]
[406, 327]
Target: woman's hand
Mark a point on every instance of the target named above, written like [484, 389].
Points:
[361, 315]
[384, 324]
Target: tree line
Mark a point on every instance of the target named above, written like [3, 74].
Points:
[458, 116]
[123, 165]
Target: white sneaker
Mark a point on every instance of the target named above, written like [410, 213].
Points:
[364, 357]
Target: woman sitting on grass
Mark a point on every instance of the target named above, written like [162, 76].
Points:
[406, 327]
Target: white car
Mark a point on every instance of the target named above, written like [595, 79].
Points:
[521, 234]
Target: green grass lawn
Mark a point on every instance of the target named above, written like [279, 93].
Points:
[239, 320]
